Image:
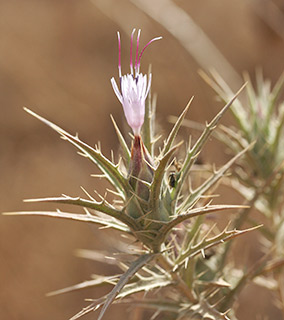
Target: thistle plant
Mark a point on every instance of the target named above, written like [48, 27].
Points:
[157, 208]
[258, 176]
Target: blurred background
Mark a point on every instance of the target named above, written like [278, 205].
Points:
[57, 58]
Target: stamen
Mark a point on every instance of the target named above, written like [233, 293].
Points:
[137, 50]
[119, 54]
[140, 56]
[131, 45]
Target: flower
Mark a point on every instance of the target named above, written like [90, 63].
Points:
[134, 87]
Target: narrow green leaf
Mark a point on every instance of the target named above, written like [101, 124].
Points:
[99, 206]
[73, 216]
[98, 281]
[145, 285]
[251, 95]
[277, 88]
[105, 165]
[201, 310]
[274, 95]
[224, 92]
[211, 181]
[173, 133]
[204, 310]
[134, 267]
[194, 213]
[207, 243]
[142, 285]
[279, 129]
[195, 150]
[98, 256]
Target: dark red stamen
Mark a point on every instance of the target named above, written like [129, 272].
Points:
[119, 54]
[140, 56]
[131, 46]
[137, 50]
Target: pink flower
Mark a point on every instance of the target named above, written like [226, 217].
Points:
[134, 87]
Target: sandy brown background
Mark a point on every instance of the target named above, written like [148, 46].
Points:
[57, 58]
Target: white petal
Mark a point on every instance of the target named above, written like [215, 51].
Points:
[116, 90]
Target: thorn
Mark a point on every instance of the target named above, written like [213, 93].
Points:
[103, 198]
[82, 154]
[186, 263]
[87, 212]
[118, 194]
[85, 191]
[118, 163]
[147, 184]
[118, 202]
[227, 227]
[156, 139]
[112, 156]
[207, 233]
[144, 216]
[226, 312]
[65, 196]
[218, 302]
[101, 176]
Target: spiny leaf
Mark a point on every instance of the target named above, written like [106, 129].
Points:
[98, 281]
[196, 194]
[274, 95]
[126, 151]
[201, 310]
[223, 91]
[277, 88]
[134, 267]
[219, 283]
[175, 129]
[279, 129]
[194, 151]
[232, 139]
[207, 243]
[251, 95]
[105, 165]
[107, 300]
[142, 285]
[98, 256]
[196, 212]
[99, 206]
[205, 311]
[73, 216]
[145, 285]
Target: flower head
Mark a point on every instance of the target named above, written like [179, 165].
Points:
[134, 87]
